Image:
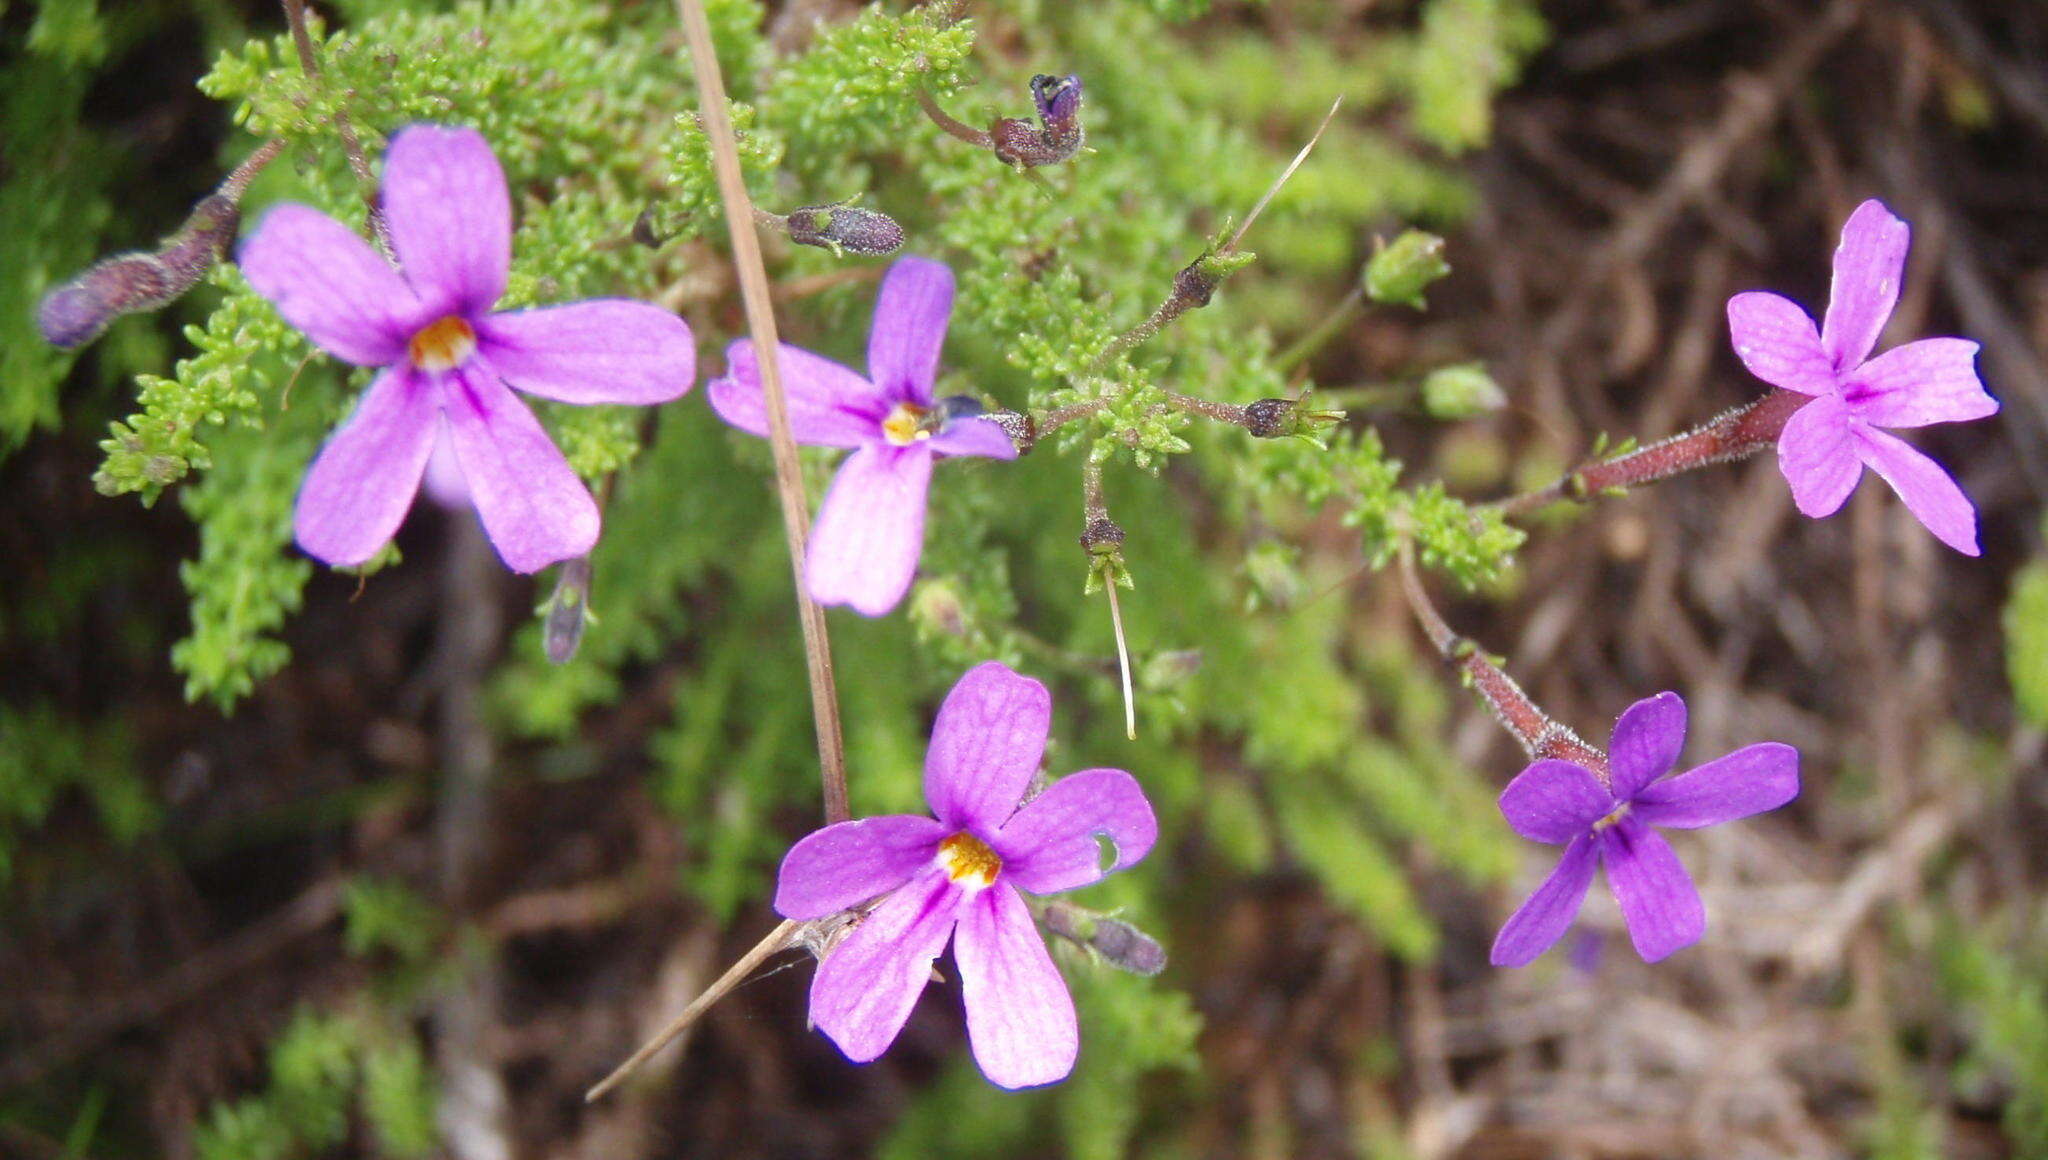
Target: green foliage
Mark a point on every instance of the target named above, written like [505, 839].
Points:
[385, 915]
[2005, 995]
[1468, 50]
[2026, 642]
[324, 1068]
[43, 755]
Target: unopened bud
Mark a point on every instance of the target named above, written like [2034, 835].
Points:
[1464, 391]
[74, 313]
[568, 610]
[1280, 418]
[842, 227]
[1401, 270]
[1058, 134]
[1113, 940]
[1196, 282]
[1102, 536]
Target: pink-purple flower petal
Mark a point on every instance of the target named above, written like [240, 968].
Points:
[1053, 843]
[1817, 452]
[363, 481]
[1928, 490]
[864, 547]
[911, 314]
[1658, 900]
[1647, 741]
[1933, 380]
[866, 986]
[986, 746]
[604, 350]
[1554, 801]
[450, 216]
[844, 865]
[1869, 266]
[1749, 781]
[534, 508]
[1542, 920]
[974, 436]
[1776, 340]
[328, 282]
[443, 480]
[1020, 1018]
[829, 405]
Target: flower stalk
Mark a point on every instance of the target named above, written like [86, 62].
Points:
[1734, 434]
[1539, 735]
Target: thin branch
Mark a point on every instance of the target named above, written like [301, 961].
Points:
[789, 478]
[777, 940]
[358, 163]
[945, 120]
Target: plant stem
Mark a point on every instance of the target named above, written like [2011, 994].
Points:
[358, 163]
[1539, 736]
[777, 940]
[1732, 435]
[789, 478]
[944, 120]
[1337, 319]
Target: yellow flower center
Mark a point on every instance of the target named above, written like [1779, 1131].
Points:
[905, 425]
[443, 345]
[1613, 816]
[969, 861]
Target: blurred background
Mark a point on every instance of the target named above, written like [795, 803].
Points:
[304, 864]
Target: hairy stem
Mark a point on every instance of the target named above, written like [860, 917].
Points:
[789, 478]
[1539, 736]
[944, 120]
[1732, 435]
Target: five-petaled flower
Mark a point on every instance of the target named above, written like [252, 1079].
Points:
[447, 359]
[1563, 802]
[863, 550]
[958, 876]
[1828, 442]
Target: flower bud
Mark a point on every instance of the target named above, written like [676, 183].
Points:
[1279, 418]
[1115, 941]
[568, 610]
[74, 313]
[1400, 271]
[843, 227]
[1464, 391]
[1058, 134]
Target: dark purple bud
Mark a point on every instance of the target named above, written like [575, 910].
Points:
[845, 227]
[568, 610]
[960, 407]
[1118, 943]
[1102, 536]
[644, 233]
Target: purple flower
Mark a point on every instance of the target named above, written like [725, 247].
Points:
[959, 877]
[447, 359]
[1564, 802]
[1829, 441]
[864, 546]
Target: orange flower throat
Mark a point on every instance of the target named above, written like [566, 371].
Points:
[969, 861]
[443, 345]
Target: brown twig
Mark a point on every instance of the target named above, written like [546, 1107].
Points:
[358, 162]
[777, 940]
[789, 478]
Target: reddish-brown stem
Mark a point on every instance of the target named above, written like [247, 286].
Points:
[945, 120]
[1733, 435]
[1539, 736]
